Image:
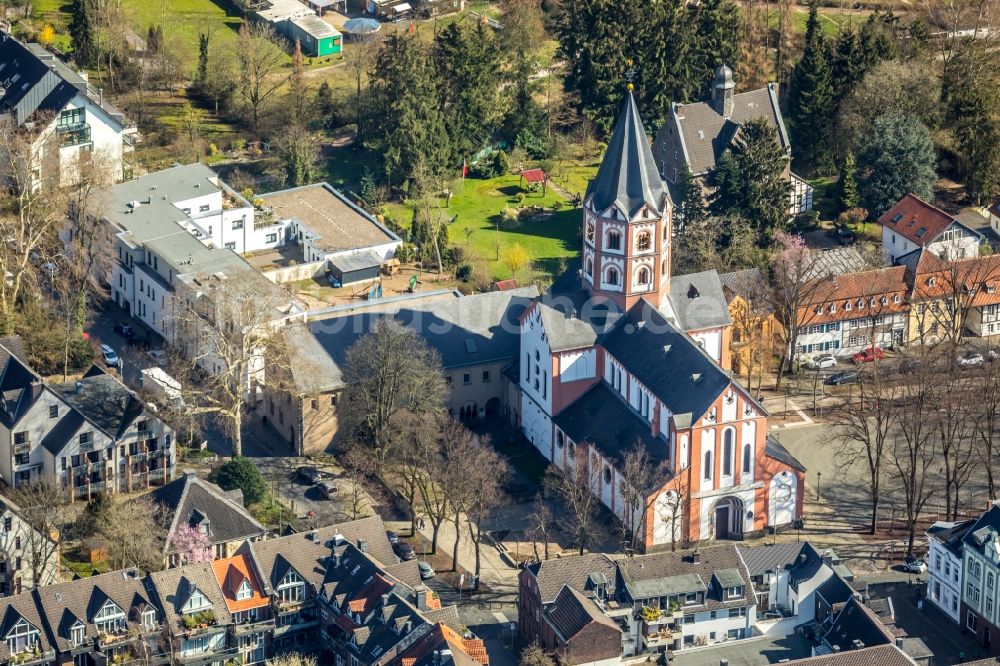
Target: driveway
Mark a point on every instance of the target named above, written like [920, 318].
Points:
[304, 498]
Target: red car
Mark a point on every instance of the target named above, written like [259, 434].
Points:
[868, 355]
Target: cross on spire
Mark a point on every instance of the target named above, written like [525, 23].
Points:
[629, 73]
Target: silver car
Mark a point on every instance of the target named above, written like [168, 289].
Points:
[821, 362]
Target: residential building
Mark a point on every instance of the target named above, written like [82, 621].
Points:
[632, 355]
[476, 337]
[80, 127]
[19, 544]
[830, 598]
[944, 566]
[785, 578]
[981, 580]
[694, 136]
[577, 631]
[248, 606]
[913, 223]
[107, 618]
[216, 513]
[195, 613]
[854, 627]
[90, 436]
[843, 314]
[26, 636]
[756, 332]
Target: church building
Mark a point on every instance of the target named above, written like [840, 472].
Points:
[624, 356]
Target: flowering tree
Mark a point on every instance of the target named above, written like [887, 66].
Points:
[191, 544]
[794, 278]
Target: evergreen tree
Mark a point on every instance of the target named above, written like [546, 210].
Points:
[749, 180]
[972, 102]
[811, 102]
[690, 201]
[525, 126]
[81, 30]
[324, 103]
[898, 158]
[877, 39]
[409, 130]
[847, 185]
[202, 57]
[846, 67]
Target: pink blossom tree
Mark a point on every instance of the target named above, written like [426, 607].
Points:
[192, 545]
[794, 280]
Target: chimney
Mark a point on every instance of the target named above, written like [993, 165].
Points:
[362, 545]
[723, 662]
[79, 386]
[696, 557]
[313, 536]
[385, 600]
[835, 649]
[422, 593]
[899, 642]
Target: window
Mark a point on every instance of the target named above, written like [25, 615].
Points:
[644, 241]
[231, 245]
[237, 224]
[149, 618]
[467, 378]
[614, 240]
[727, 451]
[611, 276]
[196, 602]
[643, 276]
[86, 438]
[203, 208]
[590, 232]
[486, 376]
[21, 637]
[71, 117]
[245, 591]
[77, 634]
[291, 587]
[53, 411]
[733, 592]
[708, 465]
[970, 621]
[747, 453]
[590, 266]
[271, 238]
[110, 619]
[21, 437]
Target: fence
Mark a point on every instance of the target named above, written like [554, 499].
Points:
[296, 272]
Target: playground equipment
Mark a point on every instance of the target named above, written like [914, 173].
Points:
[414, 281]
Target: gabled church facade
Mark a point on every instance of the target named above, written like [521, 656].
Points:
[632, 357]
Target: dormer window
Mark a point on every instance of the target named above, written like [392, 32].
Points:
[21, 637]
[895, 298]
[833, 308]
[77, 634]
[847, 305]
[196, 602]
[861, 304]
[110, 619]
[818, 309]
[734, 592]
[931, 281]
[149, 619]
[291, 587]
[245, 591]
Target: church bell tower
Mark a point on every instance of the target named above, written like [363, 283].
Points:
[627, 216]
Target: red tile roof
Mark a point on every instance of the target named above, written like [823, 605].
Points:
[371, 596]
[916, 220]
[850, 296]
[230, 572]
[476, 649]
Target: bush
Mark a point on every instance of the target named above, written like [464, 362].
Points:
[805, 221]
[463, 272]
[509, 217]
[213, 149]
[241, 473]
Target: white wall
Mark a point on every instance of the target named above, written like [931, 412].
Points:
[944, 583]
[536, 361]
[711, 341]
[781, 499]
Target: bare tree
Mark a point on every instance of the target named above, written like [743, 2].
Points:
[913, 453]
[955, 425]
[577, 489]
[542, 524]
[45, 509]
[359, 61]
[134, 530]
[986, 422]
[641, 477]
[795, 282]
[415, 439]
[260, 62]
[671, 510]
[489, 473]
[390, 369]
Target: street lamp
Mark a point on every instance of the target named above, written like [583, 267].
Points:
[819, 477]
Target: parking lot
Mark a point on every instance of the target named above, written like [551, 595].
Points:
[349, 502]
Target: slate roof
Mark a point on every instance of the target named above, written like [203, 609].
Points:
[695, 135]
[190, 499]
[749, 284]
[654, 575]
[856, 622]
[56, 438]
[36, 81]
[950, 534]
[628, 176]
[985, 532]
[551, 575]
[570, 612]
[774, 449]
[800, 559]
[836, 261]
[668, 362]
[443, 646]
[836, 590]
[603, 419]
[18, 606]
[467, 330]
[66, 603]
[105, 401]
[447, 616]
[698, 302]
[918, 221]
[19, 387]
[881, 655]
[12, 345]
[174, 588]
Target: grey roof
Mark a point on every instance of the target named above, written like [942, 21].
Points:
[565, 330]
[467, 330]
[447, 616]
[950, 534]
[104, 400]
[985, 532]
[59, 435]
[18, 606]
[19, 387]
[697, 301]
[837, 261]
[835, 590]
[879, 655]
[34, 80]
[695, 135]
[749, 284]
[174, 588]
[774, 449]
[571, 612]
[79, 600]
[799, 557]
[12, 346]
[628, 176]
[603, 419]
[661, 571]
[348, 263]
[315, 26]
[575, 570]
[915, 648]
[731, 577]
[189, 498]
[857, 623]
[668, 362]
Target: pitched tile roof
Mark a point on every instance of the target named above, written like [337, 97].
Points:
[918, 221]
[748, 284]
[442, 646]
[12, 610]
[698, 302]
[857, 622]
[174, 588]
[190, 498]
[628, 177]
[570, 612]
[985, 532]
[230, 573]
[574, 571]
[881, 655]
[851, 296]
[950, 534]
[658, 574]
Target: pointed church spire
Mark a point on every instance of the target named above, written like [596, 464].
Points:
[628, 175]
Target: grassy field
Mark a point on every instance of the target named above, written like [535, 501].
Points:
[476, 207]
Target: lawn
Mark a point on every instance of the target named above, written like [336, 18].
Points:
[825, 197]
[476, 206]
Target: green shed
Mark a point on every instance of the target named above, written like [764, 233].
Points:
[317, 37]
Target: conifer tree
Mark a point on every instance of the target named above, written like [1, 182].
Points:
[847, 185]
[811, 102]
[897, 159]
[202, 57]
[81, 30]
[690, 201]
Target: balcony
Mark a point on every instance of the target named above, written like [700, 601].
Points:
[111, 639]
[74, 135]
[23, 448]
[225, 655]
[30, 657]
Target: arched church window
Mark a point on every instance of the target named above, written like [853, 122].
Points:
[614, 240]
[590, 266]
[644, 242]
[559, 439]
[643, 276]
[727, 451]
[708, 465]
[590, 232]
[746, 458]
[612, 276]
[607, 474]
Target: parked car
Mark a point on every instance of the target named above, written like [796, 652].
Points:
[110, 357]
[910, 365]
[334, 282]
[327, 489]
[914, 565]
[844, 235]
[868, 355]
[124, 330]
[157, 356]
[970, 359]
[310, 474]
[426, 570]
[840, 378]
[992, 355]
[823, 361]
[404, 551]
[393, 537]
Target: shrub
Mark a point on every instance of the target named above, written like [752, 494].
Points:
[241, 473]
[213, 149]
[463, 272]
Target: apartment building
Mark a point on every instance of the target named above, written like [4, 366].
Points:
[980, 603]
[90, 436]
[945, 566]
[81, 126]
[913, 224]
[19, 544]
